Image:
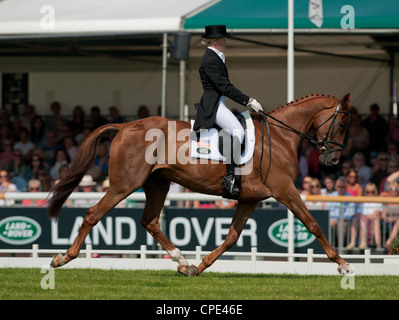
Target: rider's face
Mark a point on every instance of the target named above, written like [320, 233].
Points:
[220, 44]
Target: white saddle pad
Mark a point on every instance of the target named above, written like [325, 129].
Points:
[208, 145]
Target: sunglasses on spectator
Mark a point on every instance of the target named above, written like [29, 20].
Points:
[34, 189]
[315, 186]
[370, 191]
[4, 176]
[393, 189]
[383, 159]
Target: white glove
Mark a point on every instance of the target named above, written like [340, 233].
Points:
[255, 105]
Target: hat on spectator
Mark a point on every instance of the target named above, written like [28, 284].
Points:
[87, 181]
[106, 183]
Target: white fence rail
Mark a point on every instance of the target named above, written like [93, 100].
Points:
[239, 262]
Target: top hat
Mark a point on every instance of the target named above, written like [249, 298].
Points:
[215, 31]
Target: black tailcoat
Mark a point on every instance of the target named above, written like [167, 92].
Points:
[216, 83]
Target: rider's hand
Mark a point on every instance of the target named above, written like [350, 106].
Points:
[255, 105]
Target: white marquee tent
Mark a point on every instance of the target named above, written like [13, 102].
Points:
[79, 17]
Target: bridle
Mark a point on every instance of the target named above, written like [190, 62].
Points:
[320, 144]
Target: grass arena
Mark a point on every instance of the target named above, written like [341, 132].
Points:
[94, 284]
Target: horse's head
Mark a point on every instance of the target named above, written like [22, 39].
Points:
[330, 127]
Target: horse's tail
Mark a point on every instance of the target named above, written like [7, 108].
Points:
[83, 161]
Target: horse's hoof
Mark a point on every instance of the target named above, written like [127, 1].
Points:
[346, 269]
[189, 271]
[57, 261]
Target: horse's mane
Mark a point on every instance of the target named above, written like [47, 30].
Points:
[258, 116]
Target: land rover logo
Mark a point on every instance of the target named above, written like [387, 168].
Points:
[203, 150]
[19, 230]
[278, 233]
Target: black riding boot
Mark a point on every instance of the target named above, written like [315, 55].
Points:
[232, 180]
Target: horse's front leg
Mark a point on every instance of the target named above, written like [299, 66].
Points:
[290, 197]
[241, 216]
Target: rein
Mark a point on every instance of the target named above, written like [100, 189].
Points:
[320, 144]
[264, 119]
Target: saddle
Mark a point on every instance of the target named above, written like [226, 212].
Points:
[208, 143]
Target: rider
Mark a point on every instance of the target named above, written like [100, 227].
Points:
[212, 109]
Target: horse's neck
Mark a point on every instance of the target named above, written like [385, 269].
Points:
[300, 116]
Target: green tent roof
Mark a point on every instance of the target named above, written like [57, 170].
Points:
[273, 14]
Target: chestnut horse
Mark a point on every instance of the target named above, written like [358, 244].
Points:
[135, 161]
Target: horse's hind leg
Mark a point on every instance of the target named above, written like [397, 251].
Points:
[156, 189]
[93, 215]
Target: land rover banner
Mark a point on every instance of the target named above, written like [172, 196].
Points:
[267, 229]
[120, 229]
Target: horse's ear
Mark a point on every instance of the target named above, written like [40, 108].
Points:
[345, 101]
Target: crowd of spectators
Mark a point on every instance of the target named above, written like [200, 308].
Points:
[40, 149]
[369, 166]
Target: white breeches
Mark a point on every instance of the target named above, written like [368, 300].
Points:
[225, 119]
